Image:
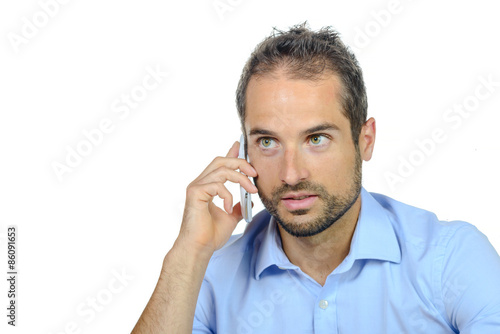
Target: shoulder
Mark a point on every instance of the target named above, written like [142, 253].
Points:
[421, 227]
[451, 261]
[448, 250]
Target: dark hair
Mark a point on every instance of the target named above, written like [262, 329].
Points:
[305, 54]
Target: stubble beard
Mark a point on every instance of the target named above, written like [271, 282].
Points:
[334, 207]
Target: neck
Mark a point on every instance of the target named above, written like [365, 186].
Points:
[320, 254]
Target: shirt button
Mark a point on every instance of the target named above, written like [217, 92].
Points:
[323, 304]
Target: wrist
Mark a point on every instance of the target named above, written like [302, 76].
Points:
[188, 254]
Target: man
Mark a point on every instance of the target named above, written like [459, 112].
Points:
[325, 256]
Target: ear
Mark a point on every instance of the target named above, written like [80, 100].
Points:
[367, 139]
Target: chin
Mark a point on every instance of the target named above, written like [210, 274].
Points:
[298, 217]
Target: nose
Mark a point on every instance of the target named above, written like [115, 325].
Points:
[293, 167]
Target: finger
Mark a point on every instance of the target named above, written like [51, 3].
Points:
[231, 163]
[234, 150]
[223, 174]
[237, 215]
[205, 193]
[227, 222]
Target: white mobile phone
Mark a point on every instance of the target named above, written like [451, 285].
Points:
[246, 200]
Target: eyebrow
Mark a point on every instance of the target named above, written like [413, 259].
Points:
[321, 127]
[317, 128]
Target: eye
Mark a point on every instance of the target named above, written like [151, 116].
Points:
[316, 139]
[267, 142]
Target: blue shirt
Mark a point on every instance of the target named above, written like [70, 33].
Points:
[406, 272]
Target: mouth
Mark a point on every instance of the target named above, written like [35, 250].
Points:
[298, 201]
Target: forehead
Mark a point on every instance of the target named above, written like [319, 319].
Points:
[278, 103]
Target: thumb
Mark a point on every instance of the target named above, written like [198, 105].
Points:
[237, 215]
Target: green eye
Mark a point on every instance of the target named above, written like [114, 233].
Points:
[316, 140]
[266, 142]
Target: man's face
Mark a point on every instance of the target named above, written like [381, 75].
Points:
[309, 170]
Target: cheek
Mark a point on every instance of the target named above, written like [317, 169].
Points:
[267, 175]
[333, 171]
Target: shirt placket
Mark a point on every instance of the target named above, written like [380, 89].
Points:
[325, 309]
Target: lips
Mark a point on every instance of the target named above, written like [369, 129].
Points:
[298, 201]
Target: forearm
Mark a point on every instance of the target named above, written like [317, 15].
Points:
[204, 229]
[172, 305]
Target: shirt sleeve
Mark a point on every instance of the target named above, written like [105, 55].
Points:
[204, 316]
[470, 282]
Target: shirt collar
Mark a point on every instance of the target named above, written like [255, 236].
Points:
[374, 238]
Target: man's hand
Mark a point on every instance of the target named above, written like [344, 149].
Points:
[206, 227]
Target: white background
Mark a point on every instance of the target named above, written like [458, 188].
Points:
[120, 209]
